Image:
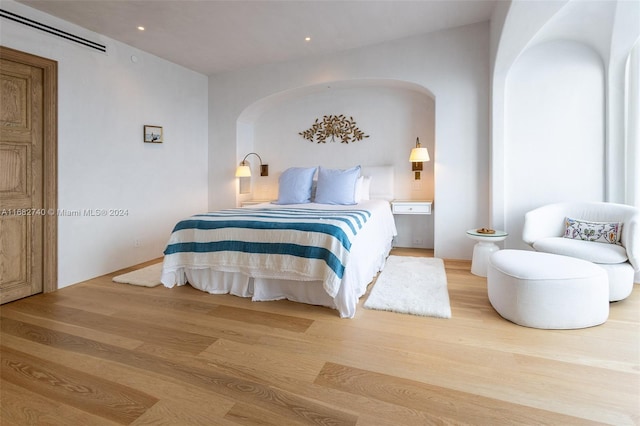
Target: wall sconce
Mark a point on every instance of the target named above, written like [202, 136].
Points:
[244, 170]
[417, 157]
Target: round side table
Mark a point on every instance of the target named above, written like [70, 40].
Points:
[486, 244]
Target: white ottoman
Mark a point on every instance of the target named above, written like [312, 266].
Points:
[543, 290]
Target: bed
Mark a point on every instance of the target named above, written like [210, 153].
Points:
[311, 252]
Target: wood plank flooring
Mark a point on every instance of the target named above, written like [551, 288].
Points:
[101, 353]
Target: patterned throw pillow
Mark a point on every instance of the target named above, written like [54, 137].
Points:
[600, 232]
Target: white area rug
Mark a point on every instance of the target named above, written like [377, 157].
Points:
[411, 285]
[147, 277]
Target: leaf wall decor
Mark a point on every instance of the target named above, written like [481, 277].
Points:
[332, 127]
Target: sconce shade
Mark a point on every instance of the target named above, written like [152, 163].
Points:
[419, 155]
[243, 171]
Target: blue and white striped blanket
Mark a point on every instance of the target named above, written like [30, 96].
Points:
[288, 243]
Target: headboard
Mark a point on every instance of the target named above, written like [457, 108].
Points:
[381, 181]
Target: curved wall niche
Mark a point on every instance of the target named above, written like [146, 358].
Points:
[392, 113]
[554, 129]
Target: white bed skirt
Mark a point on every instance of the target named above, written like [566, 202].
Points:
[353, 287]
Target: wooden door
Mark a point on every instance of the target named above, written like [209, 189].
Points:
[28, 218]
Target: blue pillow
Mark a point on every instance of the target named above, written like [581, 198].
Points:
[294, 185]
[337, 186]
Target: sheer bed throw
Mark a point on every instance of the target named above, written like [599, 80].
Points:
[311, 253]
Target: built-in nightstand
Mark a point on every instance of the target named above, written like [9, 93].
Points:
[411, 206]
[413, 224]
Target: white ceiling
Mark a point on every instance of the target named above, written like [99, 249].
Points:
[211, 36]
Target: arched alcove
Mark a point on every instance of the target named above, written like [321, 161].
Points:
[392, 113]
[554, 134]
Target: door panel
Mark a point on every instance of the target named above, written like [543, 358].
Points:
[23, 177]
[15, 272]
[14, 100]
[14, 170]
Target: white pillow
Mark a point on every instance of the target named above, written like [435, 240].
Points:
[337, 186]
[294, 185]
[363, 188]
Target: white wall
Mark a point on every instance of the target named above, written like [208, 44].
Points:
[625, 34]
[632, 127]
[453, 65]
[103, 102]
[555, 130]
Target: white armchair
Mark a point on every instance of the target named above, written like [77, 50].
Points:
[544, 229]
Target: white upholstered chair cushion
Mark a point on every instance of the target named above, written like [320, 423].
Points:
[548, 221]
[544, 227]
[586, 250]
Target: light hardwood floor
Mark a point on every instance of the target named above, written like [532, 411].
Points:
[105, 353]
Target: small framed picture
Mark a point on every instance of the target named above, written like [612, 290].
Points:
[153, 134]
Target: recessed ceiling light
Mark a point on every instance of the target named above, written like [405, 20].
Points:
[141, 28]
[307, 39]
